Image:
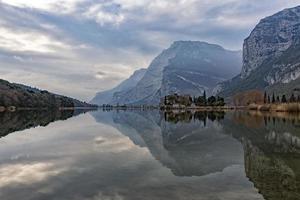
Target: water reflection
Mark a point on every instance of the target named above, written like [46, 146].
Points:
[199, 143]
[151, 155]
[16, 121]
[272, 151]
[188, 116]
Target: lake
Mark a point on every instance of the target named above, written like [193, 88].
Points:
[134, 155]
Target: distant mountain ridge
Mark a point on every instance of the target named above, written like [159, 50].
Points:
[22, 96]
[271, 57]
[109, 96]
[186, 67]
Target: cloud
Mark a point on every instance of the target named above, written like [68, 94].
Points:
[28, 174]
[29, 41]
[102, 14]
[63, 6]
[63, 44]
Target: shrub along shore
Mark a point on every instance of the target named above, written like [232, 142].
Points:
[14, 109]
[280, 107]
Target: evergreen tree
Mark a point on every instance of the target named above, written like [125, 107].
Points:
[204, 97]
[283, 99]
[265, 97]
[273, 98]
[211, 101]
[292, 98]
[298, 99]
[220, 101]
[201, 101]
[278, 99]
[269, 99]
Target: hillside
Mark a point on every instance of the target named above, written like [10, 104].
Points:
[22, 96]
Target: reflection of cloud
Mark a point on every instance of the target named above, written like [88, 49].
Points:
[102, 196]
[114, 145]
[26, 173]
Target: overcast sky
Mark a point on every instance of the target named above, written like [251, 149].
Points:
[79, 47]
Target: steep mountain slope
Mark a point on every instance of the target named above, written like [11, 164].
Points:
[107, 97]
[187, 67]
[271, 56]
[22, 96]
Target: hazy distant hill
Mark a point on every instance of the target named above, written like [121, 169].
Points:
[186, 67]
[271, 56]
[22, 96]
[107, 97]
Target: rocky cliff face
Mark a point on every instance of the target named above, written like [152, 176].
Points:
[270, 39]
[187, 67]
[270, 54]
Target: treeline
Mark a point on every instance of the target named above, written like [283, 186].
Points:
[186, 100]
[273, 99]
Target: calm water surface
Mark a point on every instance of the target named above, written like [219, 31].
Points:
[134, 155]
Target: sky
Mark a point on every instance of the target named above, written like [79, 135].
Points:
[80, 47]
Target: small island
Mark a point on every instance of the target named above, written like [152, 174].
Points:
[176, 101]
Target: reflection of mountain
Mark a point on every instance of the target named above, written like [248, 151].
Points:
[21, 120]
[272, 147]
[276, 176]
[187, 148]
[195, 144]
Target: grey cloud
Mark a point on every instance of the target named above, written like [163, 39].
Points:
[117, 50]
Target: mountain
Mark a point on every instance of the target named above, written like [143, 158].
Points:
[271, 56]
[107, 97]
[186, 67]
[21, 96]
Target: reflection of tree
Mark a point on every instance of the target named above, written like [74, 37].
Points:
[277, 177]
[182, 142]
[256, 119]
[188, 116]
[21, 120]
[272, 151]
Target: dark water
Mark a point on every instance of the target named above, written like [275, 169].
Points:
[135, 155]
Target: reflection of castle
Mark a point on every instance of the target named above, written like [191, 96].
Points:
[187, 116]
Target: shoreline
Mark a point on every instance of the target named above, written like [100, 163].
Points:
[16, 109]
[268, 108]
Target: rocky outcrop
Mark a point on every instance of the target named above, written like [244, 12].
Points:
[270, 39]
[186, 67]
[270, 54]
